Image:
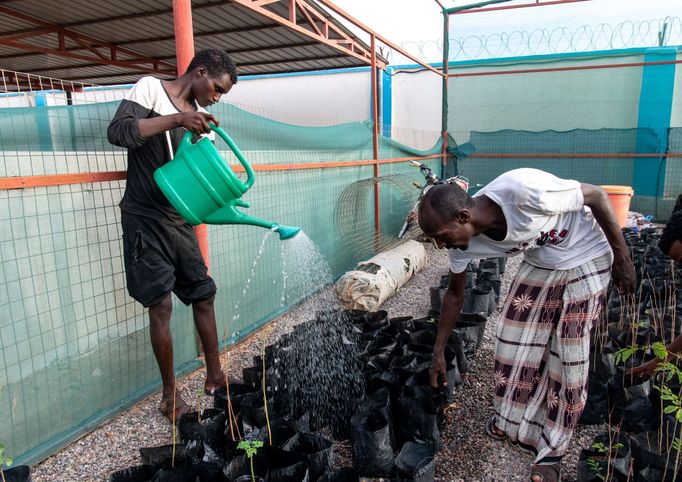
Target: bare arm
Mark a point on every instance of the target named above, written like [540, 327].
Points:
[623, 270]
[130, 132]
[449, 312]
[197, 122]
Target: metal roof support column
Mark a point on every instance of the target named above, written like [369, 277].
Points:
[444, 100]
[184, 52]
[375, 144]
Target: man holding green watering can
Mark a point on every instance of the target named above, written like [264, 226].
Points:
[161, 252]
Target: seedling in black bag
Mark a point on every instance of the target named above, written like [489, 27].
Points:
[677, 446]
[265, 398]
[199, 394]
[675, 406]
[601, 448]
[596, 468]
[669, 370]
[251, 448]
[5, 460]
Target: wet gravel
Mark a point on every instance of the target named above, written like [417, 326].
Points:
[468, 453]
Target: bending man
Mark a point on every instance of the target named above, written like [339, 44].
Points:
[543, 335]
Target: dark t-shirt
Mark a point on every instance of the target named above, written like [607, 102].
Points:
[142, 196]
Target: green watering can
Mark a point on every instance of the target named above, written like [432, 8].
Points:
[200, 184]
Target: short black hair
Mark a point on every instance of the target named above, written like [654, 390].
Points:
[671, 233]
[447, 200]
[216, 61]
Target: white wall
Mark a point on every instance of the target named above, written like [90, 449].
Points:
[89, 96]
[676, 114]
[16, 100]
[315, 99]
[416, 108]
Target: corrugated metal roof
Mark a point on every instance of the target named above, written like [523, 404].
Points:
[144, 28]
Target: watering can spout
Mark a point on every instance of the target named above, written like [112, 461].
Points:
[230, 215]
[287, 232]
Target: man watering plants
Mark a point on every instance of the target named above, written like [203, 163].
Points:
[161, 252]
[572, 246]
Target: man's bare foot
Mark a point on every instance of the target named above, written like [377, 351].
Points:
[171, 411]
[214, 382]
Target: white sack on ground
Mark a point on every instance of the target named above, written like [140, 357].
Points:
[375, 280]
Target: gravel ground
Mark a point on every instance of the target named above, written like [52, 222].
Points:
[468, 453]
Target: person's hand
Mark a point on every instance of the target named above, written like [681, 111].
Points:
[197, 122]
[437, 371]
[623, 274]
[645, 370]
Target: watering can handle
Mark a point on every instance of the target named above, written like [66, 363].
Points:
[186, 142]
[250, 176]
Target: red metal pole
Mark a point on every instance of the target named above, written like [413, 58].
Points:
[375, 144]
[444, 100]
[25, 182]
[184, 34]
[184, 52]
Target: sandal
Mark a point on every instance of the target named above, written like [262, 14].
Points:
[546, 472]
[166, 408]
[493, 431]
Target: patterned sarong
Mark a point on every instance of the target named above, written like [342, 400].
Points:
[542, 354]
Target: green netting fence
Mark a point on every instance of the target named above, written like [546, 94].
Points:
[595, 156]
[609, 117]
[74, 346]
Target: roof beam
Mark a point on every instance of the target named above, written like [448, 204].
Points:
[260, 3]
[222, 31]
[308, 20]
[248, 64]
[147, 14]
[344, 41]
[153, 65]
[266, 48]
[28, 33]
[168, 38]
[138, 65]
[115, 53]
[330, 5]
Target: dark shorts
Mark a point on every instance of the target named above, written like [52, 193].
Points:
[160, 258]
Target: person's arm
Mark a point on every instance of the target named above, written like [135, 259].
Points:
[132, 124]
[127, 130]
[623, 271]
[647, 370]
[449, 312]
[196, 122]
